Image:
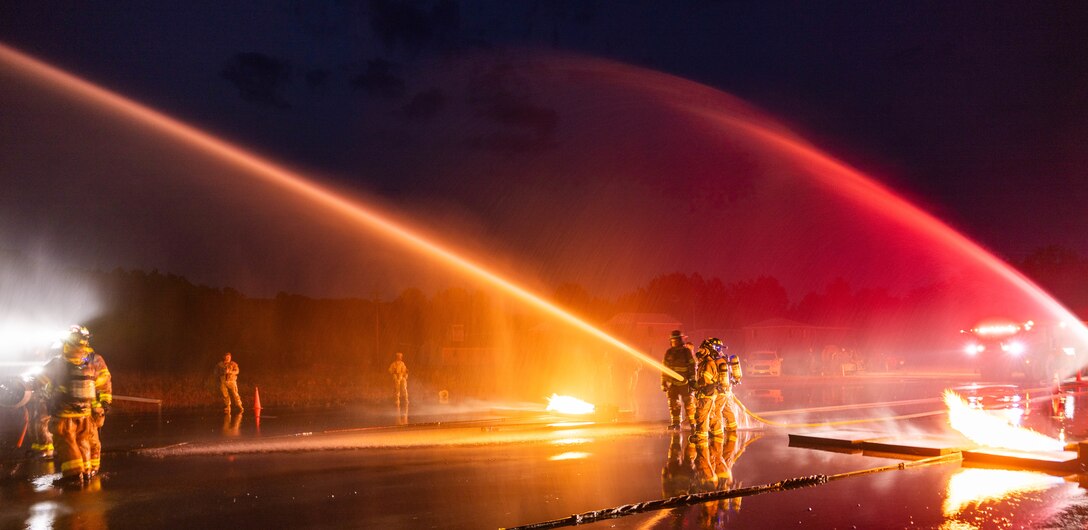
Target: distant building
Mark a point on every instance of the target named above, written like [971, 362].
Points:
[646, 332]
[795, 340]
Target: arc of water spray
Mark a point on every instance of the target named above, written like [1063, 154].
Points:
[841, 178]
[852, 183]
[296, 183]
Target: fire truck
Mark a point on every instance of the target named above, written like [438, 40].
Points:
[1005, 349]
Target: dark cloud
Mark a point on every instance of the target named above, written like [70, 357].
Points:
[425, 105]
[317, 78]
[415, 25]
[380, 79]
[258, 78]
[502, 96]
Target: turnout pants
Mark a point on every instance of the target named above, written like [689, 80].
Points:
[679, 396]
[72, 444]
[705, 411]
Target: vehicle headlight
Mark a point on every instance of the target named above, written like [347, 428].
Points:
[1014, 348]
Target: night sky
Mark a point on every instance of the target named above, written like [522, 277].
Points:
[975, 111]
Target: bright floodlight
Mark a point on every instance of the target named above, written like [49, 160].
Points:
[20, 338]
[1014, 348]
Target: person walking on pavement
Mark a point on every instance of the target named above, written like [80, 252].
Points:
[227, 371]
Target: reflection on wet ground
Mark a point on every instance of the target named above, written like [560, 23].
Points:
[358, 469]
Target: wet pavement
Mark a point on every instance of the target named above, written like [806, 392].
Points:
[487, 469]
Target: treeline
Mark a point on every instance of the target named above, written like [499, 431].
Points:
[164, 323]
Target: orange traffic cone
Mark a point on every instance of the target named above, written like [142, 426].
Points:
[256, 400]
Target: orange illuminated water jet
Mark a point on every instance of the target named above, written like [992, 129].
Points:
[290, 181]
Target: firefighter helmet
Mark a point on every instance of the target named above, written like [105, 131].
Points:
[76, 344]
[78, 335]
[712, 344]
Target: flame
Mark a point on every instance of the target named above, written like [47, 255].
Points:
[569, 405]
[989, 430]
[972, 487]
[570, 456]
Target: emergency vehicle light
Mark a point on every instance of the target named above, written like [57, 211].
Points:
[998, 329]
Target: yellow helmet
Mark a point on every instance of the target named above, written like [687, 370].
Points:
[77, 344]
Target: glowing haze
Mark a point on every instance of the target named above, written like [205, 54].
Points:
[313, 192]
[547, 169]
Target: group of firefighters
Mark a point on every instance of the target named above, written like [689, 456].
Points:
[74, 392]
[72, 395]
[705, 392]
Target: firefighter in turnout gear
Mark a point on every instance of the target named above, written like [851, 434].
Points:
[729, 374]
[68, 384]
[705, 389]
[679, 359]
[103, 391]
[42, 446]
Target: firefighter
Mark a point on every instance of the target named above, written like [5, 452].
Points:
[705, 388]
[227, 371]
[399, 371]
[68, 386]
[103, 390]
[679, 359]
[42, 446]
[729, 374]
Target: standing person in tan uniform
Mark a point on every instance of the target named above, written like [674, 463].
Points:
[227, 370]
[399, 371]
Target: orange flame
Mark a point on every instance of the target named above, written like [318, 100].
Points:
[989, 430]
[569, 405]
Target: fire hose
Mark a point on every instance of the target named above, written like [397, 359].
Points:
[699, 498]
